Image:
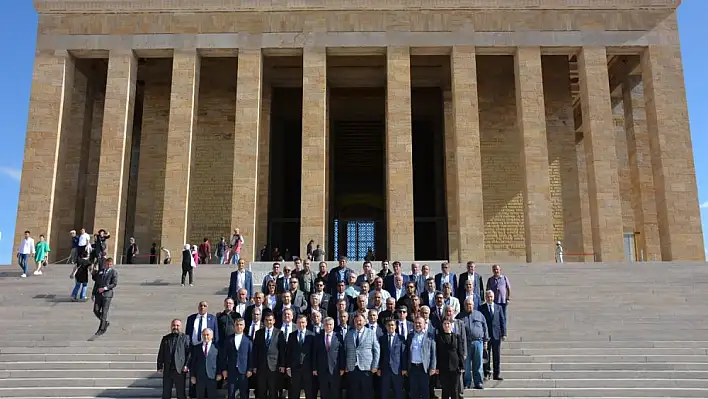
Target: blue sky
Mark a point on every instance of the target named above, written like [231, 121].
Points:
[17, 37]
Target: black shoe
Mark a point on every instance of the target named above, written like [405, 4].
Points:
[480, 386]
[497, 378]
[99, 332]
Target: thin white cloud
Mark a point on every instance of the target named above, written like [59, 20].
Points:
[704, 205]
[14, 174]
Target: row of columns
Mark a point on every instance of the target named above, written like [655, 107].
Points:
[677, 209]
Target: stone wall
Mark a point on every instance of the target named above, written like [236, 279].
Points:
[213, 152]
[502, 173]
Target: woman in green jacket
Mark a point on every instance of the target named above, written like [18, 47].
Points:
[41, 254]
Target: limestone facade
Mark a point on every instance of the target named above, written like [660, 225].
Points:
[560, 120]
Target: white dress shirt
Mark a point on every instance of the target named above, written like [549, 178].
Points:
[84, 239]
[26, 246]
[237, 340]
[197, 333]
[241, 279]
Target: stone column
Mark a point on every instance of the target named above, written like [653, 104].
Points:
[116, 138]
[451, 178]
[183, 121]
[244, 207]
[640, 168]
[399, 155]
[263, 172]
[531, 119]
[313, 197]
[671, 152]
[599, 137]
[468, 168]
[48, 120]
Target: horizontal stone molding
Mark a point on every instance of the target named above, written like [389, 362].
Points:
[508, 40]
[128, 6]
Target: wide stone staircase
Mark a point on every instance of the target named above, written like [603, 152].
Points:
[575, 330]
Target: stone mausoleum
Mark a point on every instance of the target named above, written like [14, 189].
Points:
[479, 130]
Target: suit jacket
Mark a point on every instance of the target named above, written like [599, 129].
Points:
[300, 356]
[427, 352]
[310, 327]
[248, 317]
[378, 330]
[435, 318]
[204, 367]
[496, 323]
[211, 323]
[339, 330]
[419, 281]
[278, 312]
[453, 282]
[280, 284]
[393, 359]
[247, 284]
[175, 352]
[425, 298]
[450, 354]
[324, 301]
[461, 284]
[300, 301]
[366, 354]
[225, 323]
[332, 308]
[333, 279]
[461, 331]
[329, 361]
[107, 279]
[410, 328]
[385, 315]
[268, 355]
[237, 360]
[390, 286]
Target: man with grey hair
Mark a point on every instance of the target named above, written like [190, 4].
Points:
[329, 361]
[362, 354]
[203, 366]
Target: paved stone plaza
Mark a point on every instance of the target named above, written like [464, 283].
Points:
[454, 129]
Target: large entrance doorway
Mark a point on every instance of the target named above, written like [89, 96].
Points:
[357, 201]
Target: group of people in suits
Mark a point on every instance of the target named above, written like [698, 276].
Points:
[340, 335]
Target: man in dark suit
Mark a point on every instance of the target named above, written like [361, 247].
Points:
[392, 362]
[106, 280]
[322, 295]
[407, 300]
[373, 322]
[338, 275]
[204, 366]
[241, 278]
[403, 326]
[445, 276]
[300, 359]
[257, 303]
[427, 297]
[329, 361]
[282, 283]
[389, 281]
[437, 313]
[237, 361]
[417, 278]
[476, 279]
[450, 360]
[496, 324]
[285, 302]
[269, 354]
[173, 360]
[199, 321]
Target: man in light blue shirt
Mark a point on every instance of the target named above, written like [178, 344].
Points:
[421, 360]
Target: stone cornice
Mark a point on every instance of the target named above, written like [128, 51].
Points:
[154, 6]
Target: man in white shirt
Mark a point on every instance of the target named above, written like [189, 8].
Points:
[84, 241]
[241, 302]
[25, 249]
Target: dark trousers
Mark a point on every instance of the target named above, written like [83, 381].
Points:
[359, 384]
[450, 381]
[170, 379]
[191, 275]
[206, 386]
[419, 382]
[330, 384]
[268, 383]
[101, 305]
[301, 380]
[494, 347]
[238, 382]
[391, 381]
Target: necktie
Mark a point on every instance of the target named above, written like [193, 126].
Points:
[491, 307]
[253, 329]
[301, 337]
[357, 339]
[287, 285]
[199, 328]
[268, 337]
[286, 330]
[328, 341]
[440, 313]
[206, 349]
[390, 341]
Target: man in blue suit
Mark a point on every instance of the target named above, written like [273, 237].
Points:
[389, 281]
[362, 353]
[237, 360]
[299, 361]
[422, 364]
[241, 278]
[196, 324]
[496, 324]
[445, 276]
[392, 362]
[329, 361]
[338, 274]
[204, 366]
[200, 321]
